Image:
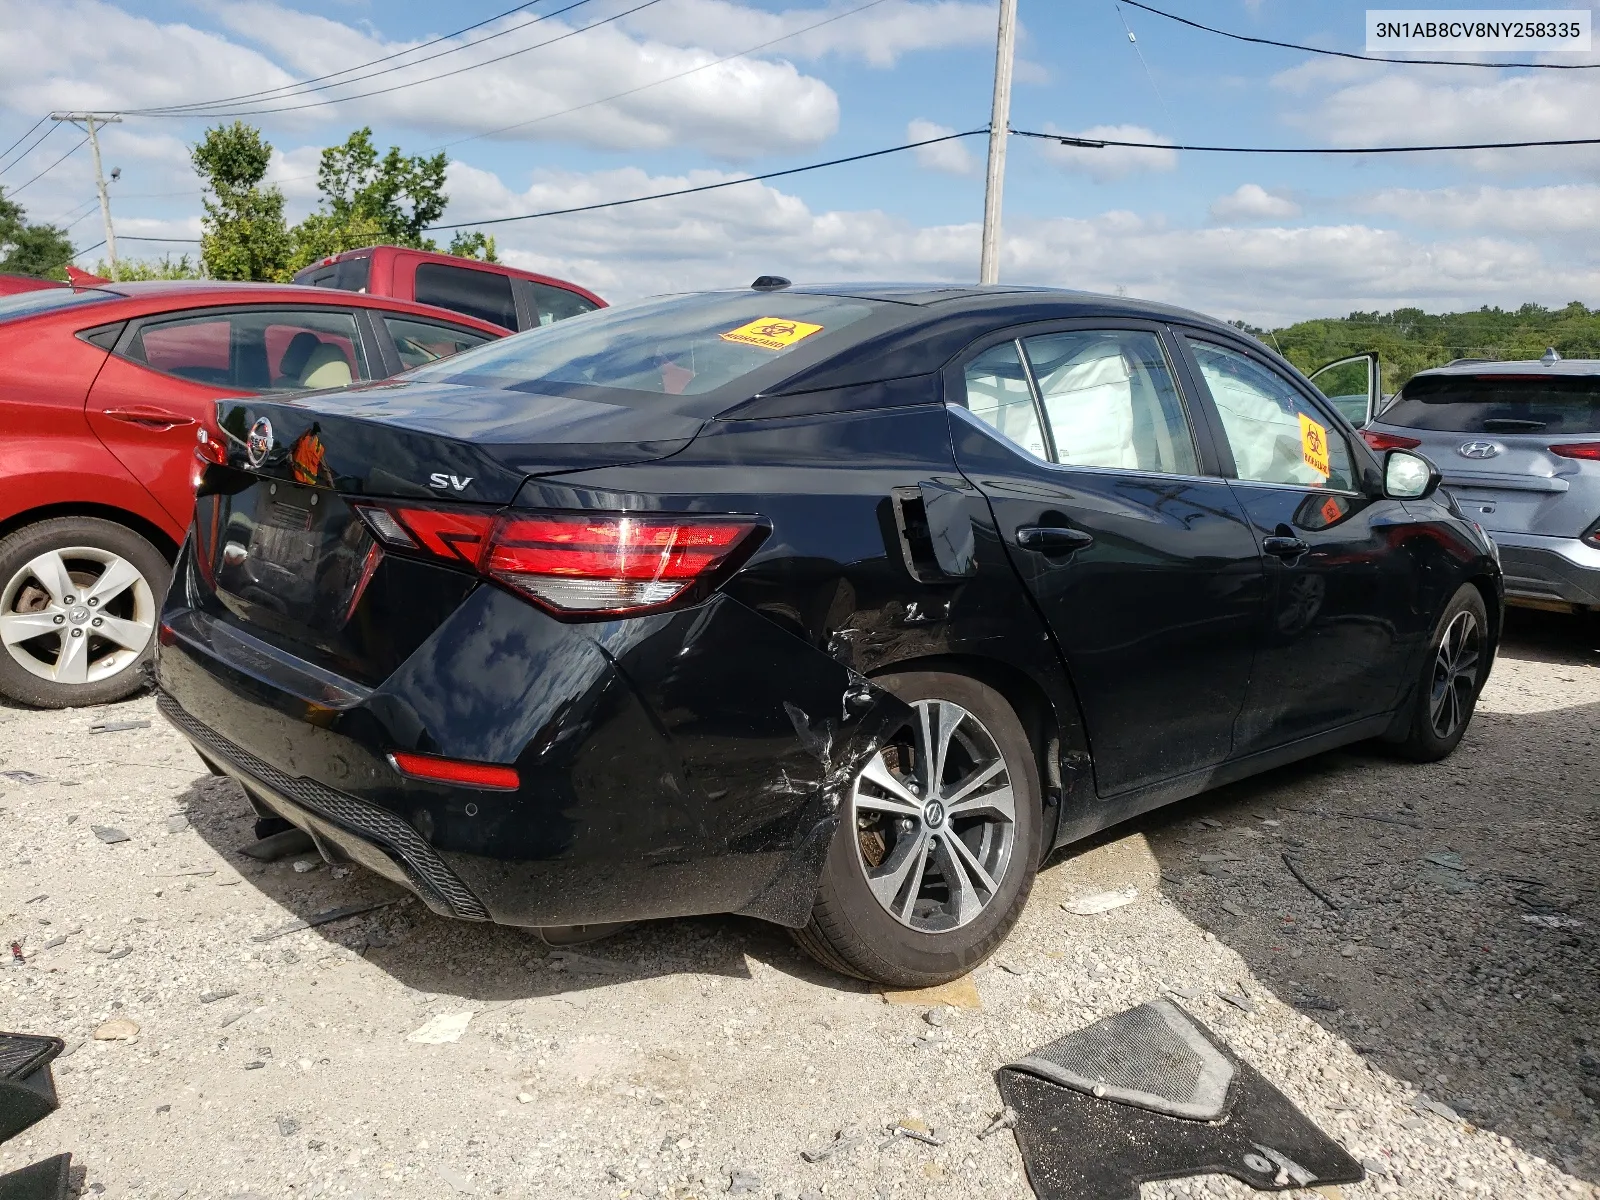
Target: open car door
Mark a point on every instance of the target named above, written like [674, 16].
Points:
[1353, 385]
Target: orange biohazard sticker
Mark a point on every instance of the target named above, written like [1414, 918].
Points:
[771, 333]
[1332, 510]
[1314, 446]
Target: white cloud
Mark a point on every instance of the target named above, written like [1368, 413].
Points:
[1109, 162]
[1536, 211]
[880, 35]
[726, 238]
[951, 158]
[1252, 202]
[748, 105]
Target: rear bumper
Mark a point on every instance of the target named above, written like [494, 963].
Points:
[669, 765]
[1549, 569]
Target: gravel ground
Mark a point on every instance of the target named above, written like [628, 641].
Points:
[1436, 1012]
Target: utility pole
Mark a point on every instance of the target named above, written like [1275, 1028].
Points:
[999, 130]
[90, 121]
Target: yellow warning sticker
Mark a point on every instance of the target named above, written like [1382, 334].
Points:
[1314, 446]
[771, 333]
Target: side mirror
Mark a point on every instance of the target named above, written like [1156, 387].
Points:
[1408, 476]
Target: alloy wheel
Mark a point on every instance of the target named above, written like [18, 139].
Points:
[934, 818]
[1455, 675]
[76, 615]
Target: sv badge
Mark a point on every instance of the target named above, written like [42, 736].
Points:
[457, 482]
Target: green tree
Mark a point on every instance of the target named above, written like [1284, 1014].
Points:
[165, 267]
[25, 249]
[243, 235]
[474, 245]
[367, 200]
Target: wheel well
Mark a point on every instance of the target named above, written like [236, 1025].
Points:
[148, 530]
[1027, 699]
[1486, 589]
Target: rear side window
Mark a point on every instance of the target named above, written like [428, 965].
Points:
[422, 342]
[557, 304]
[1557, 404]
[346, 275]
[998, 395]
[482, 294]
[260, 350]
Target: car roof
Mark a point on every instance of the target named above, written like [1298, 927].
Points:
[1521, 367]
[994, 297]
[231, 291]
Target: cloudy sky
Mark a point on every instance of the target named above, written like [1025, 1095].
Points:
[562, 103]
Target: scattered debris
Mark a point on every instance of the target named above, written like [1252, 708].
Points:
[941, 1016]
[1240, 1001]
[1446, 858]
[23, 777]
[213, 997]
[108, 835]
[117, 726]
[458, 1180]
[119, 952]
[1101, 902]
[442, 1028]
[911, 1127]
[568, 960]
[323, 918]
[1552, 921]
[119, 1030]
[843, 1142]
[303, 865]
[288, 1126]
[1425, 1103]
[743, 1181]
[39, 897]
[177, 823]
[254, 1066]
[279, 845]
[16, 952]
[1294, 869]
[1006, 1120]
[1230, 907]
[1186, 993]
[1211, 822]
[1010, 968]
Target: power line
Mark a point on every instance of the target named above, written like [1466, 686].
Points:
[267, 92]
[711, 187]
[39, 141]
[668, 79]
[75, 254]
[25, 136]
[53, 165]
[192, 110]
[249, 112]
[1101, 143]
[128, 237]
[1421, 62]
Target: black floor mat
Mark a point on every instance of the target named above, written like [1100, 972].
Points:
[1151, 1094]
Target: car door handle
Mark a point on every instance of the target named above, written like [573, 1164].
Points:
[1053, 539]
[1284, 547]
[151, 418]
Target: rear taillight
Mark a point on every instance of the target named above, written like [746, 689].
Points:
[1588, 450]
[209, 449]
[1389, 441]
[576, 564]
[1591, 536]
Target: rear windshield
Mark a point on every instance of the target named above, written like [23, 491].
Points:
[1498, 404]
[26, 304]
[346, 275]
[676, 346]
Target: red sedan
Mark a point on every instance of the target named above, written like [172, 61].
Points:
[103, 392]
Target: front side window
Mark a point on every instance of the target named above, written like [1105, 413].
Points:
[1111, 401]
[260, 350]
[423, 342]
[557, 304]
[1275, 433]
[998, 395]
[482, 294]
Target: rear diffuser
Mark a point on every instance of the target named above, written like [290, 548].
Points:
[1151, 1094]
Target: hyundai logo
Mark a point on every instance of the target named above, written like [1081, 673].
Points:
[259, 444]
[1477, 449]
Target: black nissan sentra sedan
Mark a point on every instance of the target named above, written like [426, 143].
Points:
[834, 606]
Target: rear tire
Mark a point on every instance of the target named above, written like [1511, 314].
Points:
[79, 598]
[1452, 676]
[886, 909]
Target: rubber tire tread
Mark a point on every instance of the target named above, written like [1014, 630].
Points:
[25, 543]
[1420, 744]
[832, 943]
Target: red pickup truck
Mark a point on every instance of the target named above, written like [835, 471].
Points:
[491, 292]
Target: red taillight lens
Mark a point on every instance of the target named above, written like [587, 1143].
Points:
[453, 770]
[1588, 450]
[209, 449]
[1389, 441]
[582, 564]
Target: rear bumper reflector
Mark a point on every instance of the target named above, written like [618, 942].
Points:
[451, 770]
